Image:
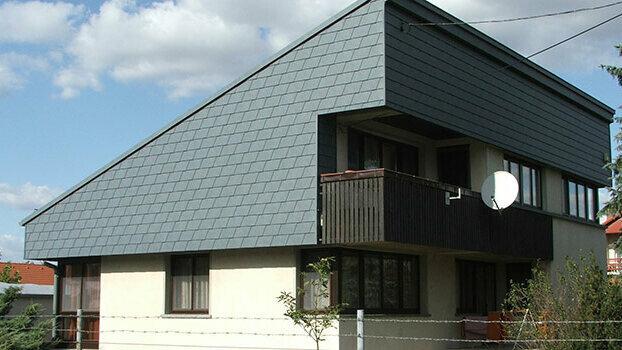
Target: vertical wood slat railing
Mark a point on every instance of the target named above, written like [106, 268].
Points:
[384, 206]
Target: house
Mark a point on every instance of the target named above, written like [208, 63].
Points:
[614, 231]
[189, 237]
[30, 294]
[32, 273]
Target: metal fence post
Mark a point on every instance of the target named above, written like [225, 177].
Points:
[79, 330]
[360, 332]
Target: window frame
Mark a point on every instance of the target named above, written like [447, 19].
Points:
[171, 287]
[533, 170]
[566, 180]
[336, 286]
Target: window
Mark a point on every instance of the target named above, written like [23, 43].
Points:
[376, 282]
[79, 289]
[454, 165]
[189, 283]
[580, 199]
[476, 286]
[528, 178]
[371, 152]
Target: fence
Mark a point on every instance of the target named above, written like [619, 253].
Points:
[359, 338]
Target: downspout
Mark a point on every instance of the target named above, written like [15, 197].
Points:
[54, 297]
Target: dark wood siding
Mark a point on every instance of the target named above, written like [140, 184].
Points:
[436, 74]
[380, 205]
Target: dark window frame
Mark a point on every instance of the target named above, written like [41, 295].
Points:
[508, 160]
[336, 285]
[566, 180]
[400, 148]
[170, 307]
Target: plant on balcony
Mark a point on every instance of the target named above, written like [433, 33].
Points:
[582, 294]
[320, 315]
[24, 331]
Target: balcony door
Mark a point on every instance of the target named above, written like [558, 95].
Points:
[367, 151]
[454, 165]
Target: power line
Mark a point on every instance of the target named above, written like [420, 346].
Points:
[566, 40]
[517, 19]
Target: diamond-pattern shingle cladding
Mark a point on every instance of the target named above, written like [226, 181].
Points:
[241, 171]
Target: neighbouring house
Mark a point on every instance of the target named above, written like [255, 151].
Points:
[32, 273]
[614, 231]
[194, 232]
[31, 294]
[37, 283]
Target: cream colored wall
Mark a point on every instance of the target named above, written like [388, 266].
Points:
[242, 283]
[552, 190]
[573, 239]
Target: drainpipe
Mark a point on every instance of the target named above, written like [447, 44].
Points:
[54, 297]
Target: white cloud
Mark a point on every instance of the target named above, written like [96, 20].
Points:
[37, 22]
[12, 248]
[584, 53]
[187, 46]
[27, 196]
[15, 67]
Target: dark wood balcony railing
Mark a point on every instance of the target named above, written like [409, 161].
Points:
[384, 206]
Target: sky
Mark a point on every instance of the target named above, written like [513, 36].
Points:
[83, 81]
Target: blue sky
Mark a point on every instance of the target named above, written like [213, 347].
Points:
[82, 82]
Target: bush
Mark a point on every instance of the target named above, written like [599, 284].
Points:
[583, 294]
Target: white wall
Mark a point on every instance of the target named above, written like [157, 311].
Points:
[242, 283]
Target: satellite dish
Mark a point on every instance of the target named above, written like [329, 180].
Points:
[499, 190]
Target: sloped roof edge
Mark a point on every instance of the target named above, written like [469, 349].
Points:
[354, 6]
[521, 64]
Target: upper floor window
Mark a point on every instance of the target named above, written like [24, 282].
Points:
[366, 151]
[580, 199]
[189, 283]
[528, 178]
[376, 282]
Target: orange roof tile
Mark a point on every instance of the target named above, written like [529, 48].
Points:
[32, 273]
[614, 226]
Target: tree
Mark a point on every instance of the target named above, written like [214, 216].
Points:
[614, 206]
[7, 277]
[583, 294]
[24, 331]
[316, 319]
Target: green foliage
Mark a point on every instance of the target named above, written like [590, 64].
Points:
[314, 320]
[583, 294]
[615, 72]
[7, 277]
[614, 206]
[25, 331]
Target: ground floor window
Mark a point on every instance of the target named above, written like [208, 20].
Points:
[476, 287]
[189, 283]
[374, 281]
[79, 289]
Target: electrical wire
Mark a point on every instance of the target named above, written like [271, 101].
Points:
[516, 19]
[565, 40]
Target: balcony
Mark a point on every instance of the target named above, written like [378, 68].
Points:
[385, 206]
[614, 266]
